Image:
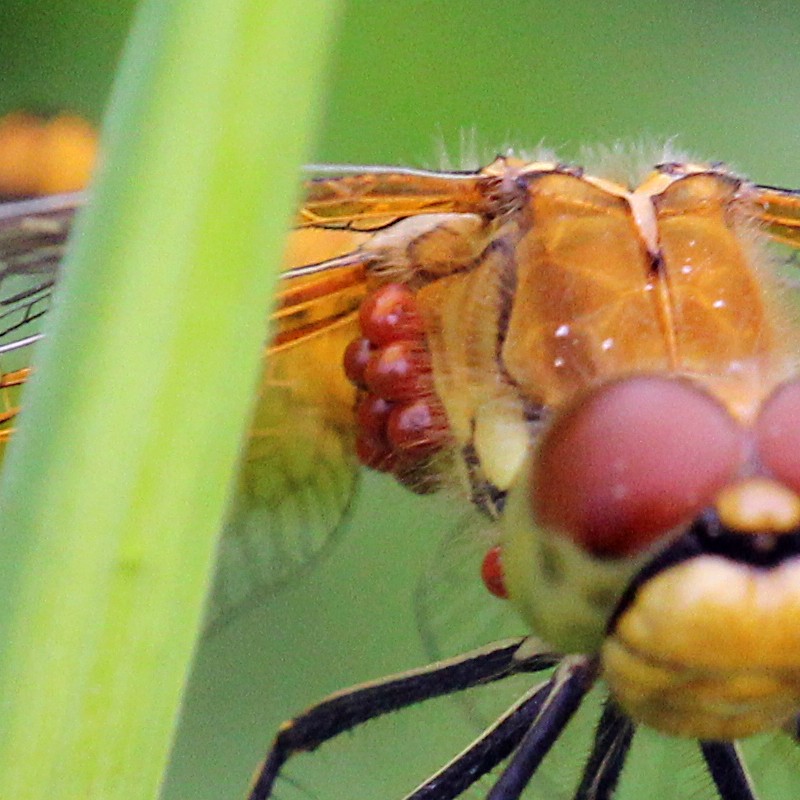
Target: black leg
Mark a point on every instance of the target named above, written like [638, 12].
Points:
[487, 751]
[345, 710]
[728, 771]
[573, 679]
[612, 740]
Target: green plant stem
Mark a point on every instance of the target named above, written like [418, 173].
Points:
[116, 482]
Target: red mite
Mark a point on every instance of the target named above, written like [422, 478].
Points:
[401, 423]
[492, 572]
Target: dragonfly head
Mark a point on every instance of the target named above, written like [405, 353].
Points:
[656, 527]
[621, 473]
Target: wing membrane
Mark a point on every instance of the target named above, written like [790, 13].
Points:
[455, 611]
[298, 474]
[33, 236]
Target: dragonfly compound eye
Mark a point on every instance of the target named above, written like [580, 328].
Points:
[777, 433]
[632, 459]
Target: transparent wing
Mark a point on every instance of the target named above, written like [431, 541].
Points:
[33, 236]
[456, 613]
[773, 760]
[298, 473]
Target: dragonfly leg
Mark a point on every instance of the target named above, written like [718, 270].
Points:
[572, 680]
[726, 766]
[495, 744]
[612, 740]
[345, 710]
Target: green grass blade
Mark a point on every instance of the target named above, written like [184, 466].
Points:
[116, 483]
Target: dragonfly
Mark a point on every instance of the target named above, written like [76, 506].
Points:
[604, 368]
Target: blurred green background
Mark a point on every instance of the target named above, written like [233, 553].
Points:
[408, 79]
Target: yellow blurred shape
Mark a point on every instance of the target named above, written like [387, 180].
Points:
[45, 156]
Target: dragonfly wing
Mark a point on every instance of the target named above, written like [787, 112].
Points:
[779, 211]
[298, 472]
[295, 485]
[773, 760]
[456, 613]
[33, 236]
[371, 200]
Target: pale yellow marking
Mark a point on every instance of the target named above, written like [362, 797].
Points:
[758, 505]
[644, 216]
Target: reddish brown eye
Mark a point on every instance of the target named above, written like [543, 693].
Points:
[778, 434]
[631, 460]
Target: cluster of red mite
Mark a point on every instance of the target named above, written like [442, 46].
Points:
[400, 421]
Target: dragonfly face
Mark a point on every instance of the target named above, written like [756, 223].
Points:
[608, 373]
